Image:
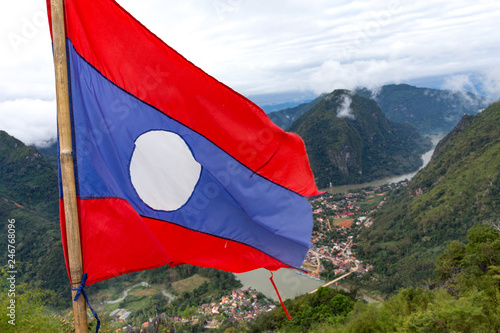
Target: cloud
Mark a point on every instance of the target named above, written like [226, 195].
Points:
[32, 121]
[333, 75]
[490, 83]
[345, 110]
[268, 47]
[459, 86]
[483, 84]
[413, 41]
[460, 82]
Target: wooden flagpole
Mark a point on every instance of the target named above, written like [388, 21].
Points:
[66, 162]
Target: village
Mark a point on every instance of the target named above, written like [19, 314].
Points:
[240, 305]
[337, 222]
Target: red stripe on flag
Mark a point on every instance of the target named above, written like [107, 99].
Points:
[109, 248]
[204, 250]
[136, 60]
[114, 239]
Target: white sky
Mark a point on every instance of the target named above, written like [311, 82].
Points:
[273, 46]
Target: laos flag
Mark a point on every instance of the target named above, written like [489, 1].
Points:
[172, 166]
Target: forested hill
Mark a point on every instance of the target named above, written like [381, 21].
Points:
[431, 111]
[29, 195]
[27, 177]
[349, 140]
[458, 188]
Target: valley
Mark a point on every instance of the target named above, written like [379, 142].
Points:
[370, 239]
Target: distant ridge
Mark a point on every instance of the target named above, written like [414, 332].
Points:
[284, 118]
[431, 111]
[349, 140]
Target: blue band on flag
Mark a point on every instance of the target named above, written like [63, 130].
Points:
[229, 200]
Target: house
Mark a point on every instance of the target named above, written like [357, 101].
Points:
[115, 313]
[124, 316]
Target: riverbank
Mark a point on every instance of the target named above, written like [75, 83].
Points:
[426, 157]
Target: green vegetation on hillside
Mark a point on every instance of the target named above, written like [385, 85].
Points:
[326, 306]
[360, 146]
[27, 178]
[29, 196]
[50, 153]
[458, 188]
[200, 285]
[465, 297]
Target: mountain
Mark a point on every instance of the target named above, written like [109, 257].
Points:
[49, 152]
[284, 118]
[349, 140]
[431, 111]
[26, 176]
[276, 107]
[270, 102]
[29, 196]
[459, 187]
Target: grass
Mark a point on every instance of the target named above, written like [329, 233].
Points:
[189, 284]
[343, 222]
[142, 291]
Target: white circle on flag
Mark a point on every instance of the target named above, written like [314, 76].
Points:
[163, 170]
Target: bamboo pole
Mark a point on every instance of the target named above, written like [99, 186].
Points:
[66, 162]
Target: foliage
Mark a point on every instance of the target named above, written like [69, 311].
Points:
[34, 311]
[357, 149]
[27, 178]
[50, 153]
[29, 195]
[457, 189]
[325, 306]
[220, 283]
[420, 310]
[464, 298]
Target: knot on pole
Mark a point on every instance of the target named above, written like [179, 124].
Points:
[81, 290]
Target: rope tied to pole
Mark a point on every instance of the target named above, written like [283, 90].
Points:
[81, 290]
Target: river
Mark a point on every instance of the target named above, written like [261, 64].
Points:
[289, 283]
[426, 157]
